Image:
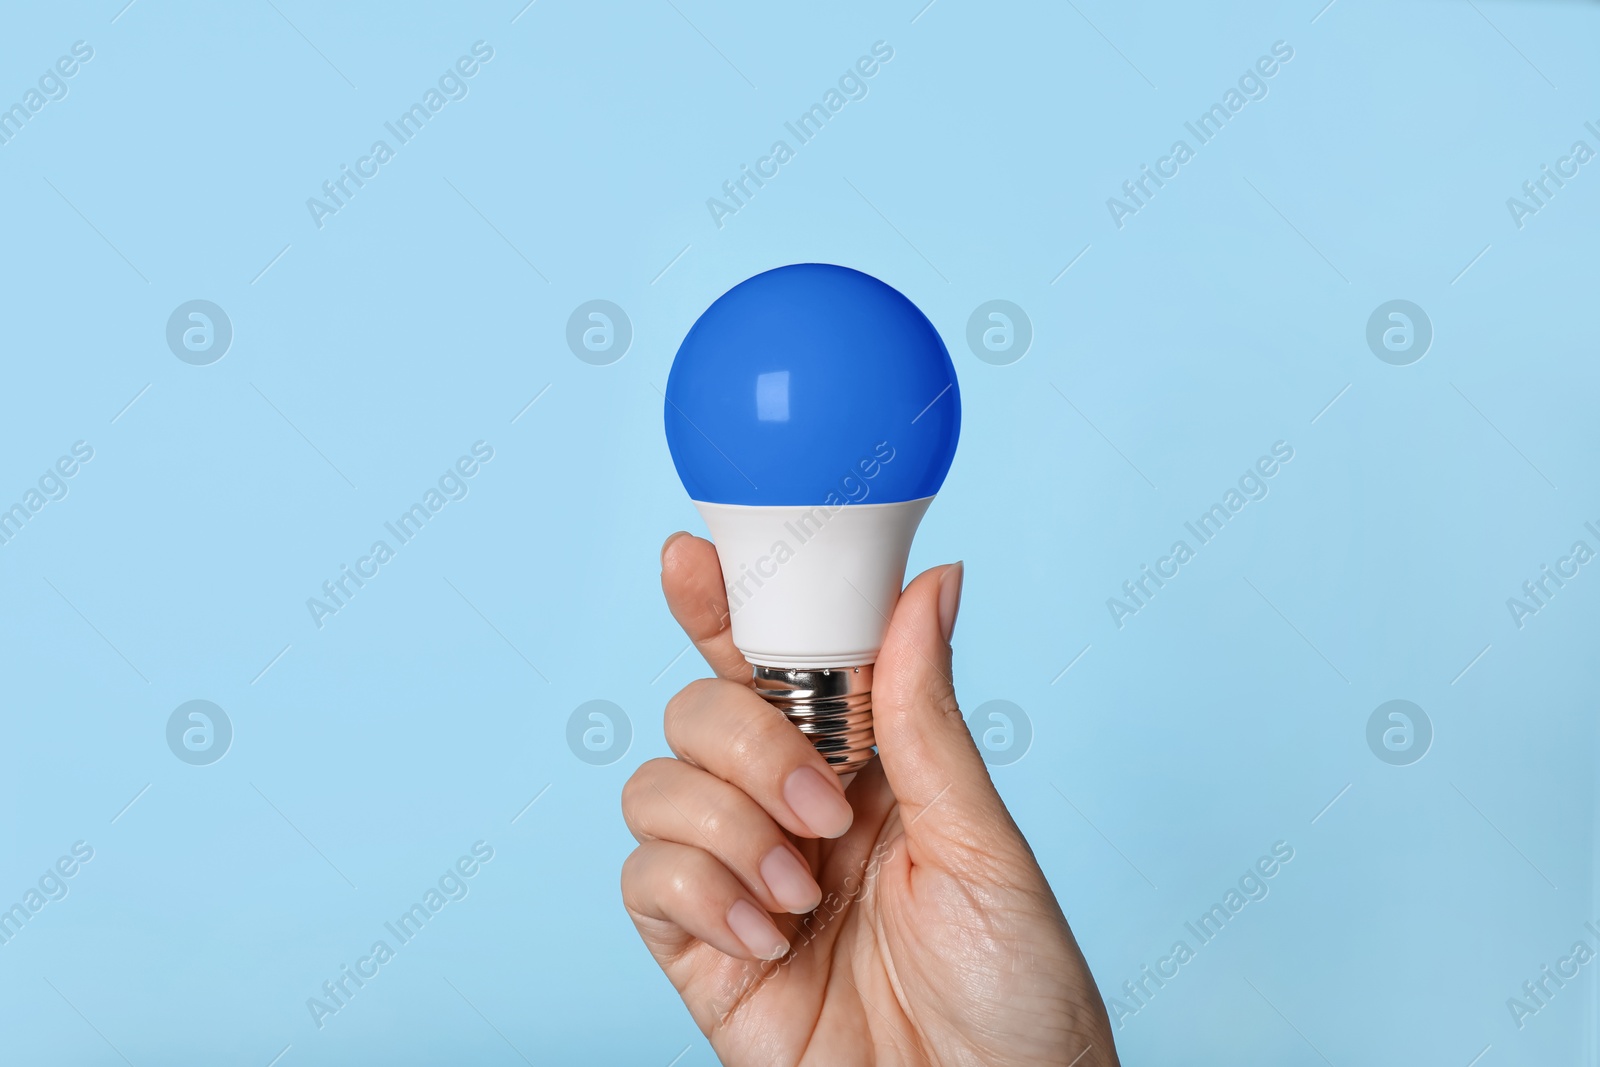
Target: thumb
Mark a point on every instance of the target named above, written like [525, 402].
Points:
[928, 756]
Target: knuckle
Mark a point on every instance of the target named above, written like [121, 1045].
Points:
[761, 734]
[702, 688]
[682, 884]
[935, 689]
[672, 714]
[633, 875]
[686, 702]
[656, 871]
[639, 790]
[631, 794]
[718, 824]
[944, 703]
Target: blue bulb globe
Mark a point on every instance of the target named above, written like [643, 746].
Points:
[812, 384]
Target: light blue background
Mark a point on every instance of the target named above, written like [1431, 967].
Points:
[428, 713]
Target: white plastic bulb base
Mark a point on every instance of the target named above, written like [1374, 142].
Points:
[810, 594]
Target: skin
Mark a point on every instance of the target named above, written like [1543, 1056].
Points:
[929, 935]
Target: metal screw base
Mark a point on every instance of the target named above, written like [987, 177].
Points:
[831, 706]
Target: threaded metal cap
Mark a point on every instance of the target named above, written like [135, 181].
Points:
[831, 706]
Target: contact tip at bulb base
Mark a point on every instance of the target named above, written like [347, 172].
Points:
[832, 706]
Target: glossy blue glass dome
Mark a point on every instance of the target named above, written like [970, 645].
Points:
[812, 384]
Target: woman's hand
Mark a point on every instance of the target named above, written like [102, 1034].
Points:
[903, 921]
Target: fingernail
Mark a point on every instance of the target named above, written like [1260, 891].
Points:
[751, 925]
[791, 884]
[668, 544]
[950, 598]
[818, 802]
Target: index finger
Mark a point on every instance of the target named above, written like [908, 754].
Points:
[691, 578]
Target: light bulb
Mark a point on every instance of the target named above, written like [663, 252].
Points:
[812, 413]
